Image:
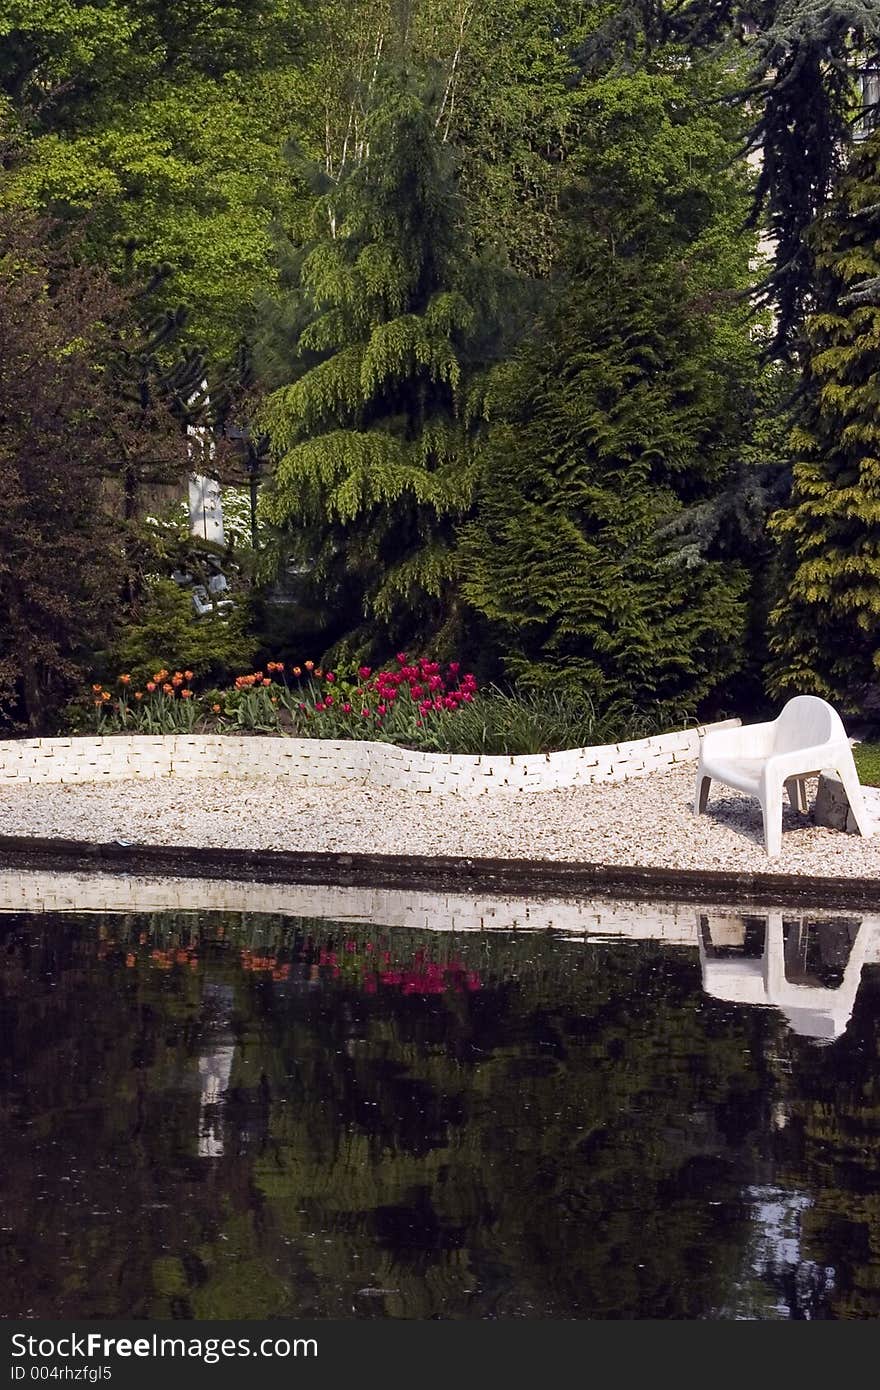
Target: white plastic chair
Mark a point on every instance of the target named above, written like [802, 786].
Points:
[807, 738]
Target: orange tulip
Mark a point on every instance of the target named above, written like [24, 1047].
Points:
[125, 680]
[138, 694]
[188, 675]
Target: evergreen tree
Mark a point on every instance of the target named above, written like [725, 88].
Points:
[801, 94]
[620, 420]
[374, 436]
[825, 635]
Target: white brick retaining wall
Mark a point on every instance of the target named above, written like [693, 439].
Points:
[327, 763]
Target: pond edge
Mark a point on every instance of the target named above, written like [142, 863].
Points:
[513, 877]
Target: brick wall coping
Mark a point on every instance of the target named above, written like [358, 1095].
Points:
[331, 763]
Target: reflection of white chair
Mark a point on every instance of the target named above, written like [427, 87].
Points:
[759, 759]
[813, 1011]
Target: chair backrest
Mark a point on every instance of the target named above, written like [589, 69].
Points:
[804, 722]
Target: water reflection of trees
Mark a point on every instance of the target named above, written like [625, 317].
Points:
[219, 1116]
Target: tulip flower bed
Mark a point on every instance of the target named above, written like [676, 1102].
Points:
[420, 704]
[398, 703]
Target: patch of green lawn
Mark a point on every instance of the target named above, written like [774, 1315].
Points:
[867, 757]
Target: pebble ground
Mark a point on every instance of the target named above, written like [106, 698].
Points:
[647, 821]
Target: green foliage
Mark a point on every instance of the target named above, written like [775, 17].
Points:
[510, 103]
[373, 441]
[522, 722]
[168, 632]
[163, 123]
[800, 91]
[621, 418]
[825, 626]
[867, 760]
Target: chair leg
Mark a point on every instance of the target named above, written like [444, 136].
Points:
[771, 807]
[846, 771]
[702, 795]
[797, 794]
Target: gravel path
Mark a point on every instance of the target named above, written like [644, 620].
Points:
[648, 821]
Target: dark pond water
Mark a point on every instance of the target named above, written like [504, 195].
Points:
[227, 1116]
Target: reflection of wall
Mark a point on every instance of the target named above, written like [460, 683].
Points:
[34, 891]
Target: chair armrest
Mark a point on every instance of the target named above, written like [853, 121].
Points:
[748, 741]
[805, 760]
